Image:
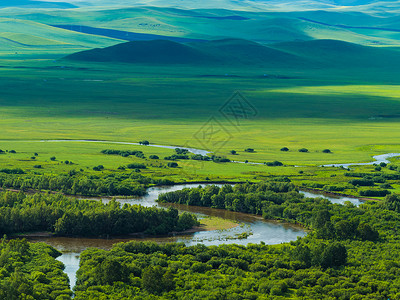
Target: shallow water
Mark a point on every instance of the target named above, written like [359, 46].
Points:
[333, 199]
[260, 230]
[382, 158]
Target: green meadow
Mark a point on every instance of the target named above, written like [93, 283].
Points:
[312, 94]
[348, 114]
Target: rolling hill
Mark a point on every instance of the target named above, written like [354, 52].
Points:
[144, 23]
[311, 54]
[149, 52]
[35, 4]
[342, 54]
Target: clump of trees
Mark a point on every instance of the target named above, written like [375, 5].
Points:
[219, 159]
[274, 163]
[31, 271]
[65, 216]
[124, 153]
[98, 168]
[136, 166]
[78, 183]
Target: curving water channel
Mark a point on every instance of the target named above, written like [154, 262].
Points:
[378, 158]
[381, 158]
[261, 230]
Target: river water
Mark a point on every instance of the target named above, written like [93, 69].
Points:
[260, 230]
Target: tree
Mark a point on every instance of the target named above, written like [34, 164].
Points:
[345, 229]
[145, 143]
[154, 282]
[110, 271]
[153, 157]
[302, 253]
[249, 150]
[303, 150]
[334, 255]
[366, 233]
[233, 152]
[53, 158]
[285, 149]
[172, 164]
[392, 202]
[326, 151]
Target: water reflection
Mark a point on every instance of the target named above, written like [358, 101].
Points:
[260, 230]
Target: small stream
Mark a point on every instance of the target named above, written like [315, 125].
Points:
[378, 158]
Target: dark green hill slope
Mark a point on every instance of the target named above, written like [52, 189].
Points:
[247, 52]
[151, 52]
[236, 52]
[341, 54]
[221, 52]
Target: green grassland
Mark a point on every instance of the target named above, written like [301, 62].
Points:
[265, 27]
[333, 95]
[169, 106]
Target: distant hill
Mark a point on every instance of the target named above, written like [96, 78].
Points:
[339, 53]
[35, 4]
[151, 52]
[246, 52]
[315, 54]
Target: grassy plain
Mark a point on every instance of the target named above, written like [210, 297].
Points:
[315, 109]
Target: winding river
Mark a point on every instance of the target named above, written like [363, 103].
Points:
[381, 158]
[260, 230]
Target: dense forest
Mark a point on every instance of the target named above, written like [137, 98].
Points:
[80, 183]
[30, 271]
[281, 200]
[65, 216]
[350, 253]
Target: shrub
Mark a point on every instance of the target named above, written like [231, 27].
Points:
[136, 166]
[98, 168]
[375, 193]
[249, 150]
[303, 150]
[326, 151]
[12, 151]
[285, 149]
[153, 157]
[53, 158]
[172, 164]
[362, 182]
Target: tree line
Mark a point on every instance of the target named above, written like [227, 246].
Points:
[65, 216]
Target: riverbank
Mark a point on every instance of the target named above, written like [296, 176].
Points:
[332, 194]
